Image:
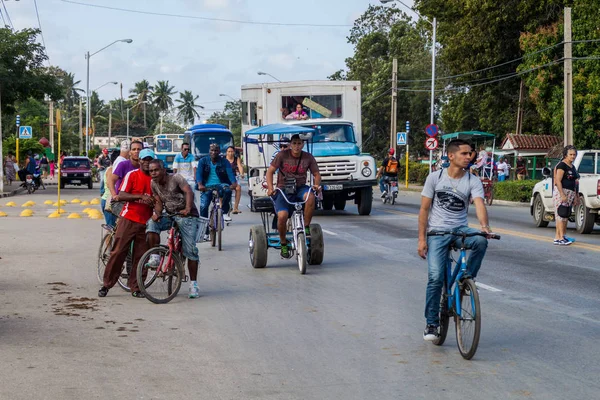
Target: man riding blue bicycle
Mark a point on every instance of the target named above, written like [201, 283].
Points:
[444, 205]
[292, 165]
[215, 171]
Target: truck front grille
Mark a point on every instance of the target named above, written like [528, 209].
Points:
[338, 169]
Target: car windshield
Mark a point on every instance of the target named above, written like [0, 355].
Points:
[202, 143]
[82, 164]
[333, 133]
[164, 146]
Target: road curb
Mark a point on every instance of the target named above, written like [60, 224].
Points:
[13, 193]
[510, 203]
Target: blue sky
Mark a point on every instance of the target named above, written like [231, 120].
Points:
[205, 57]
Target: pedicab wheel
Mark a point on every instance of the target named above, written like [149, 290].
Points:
[219, 227]
[489, 198]
[302, 254]
[257, 246]
[316, 249]
[468, 323]
[444, 318]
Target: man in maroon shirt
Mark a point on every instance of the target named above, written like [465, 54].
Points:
[136, 191]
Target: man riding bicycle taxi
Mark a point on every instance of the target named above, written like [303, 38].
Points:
[214, 170]
[173, 194]
[293, 164]
[387, 171]
[136, 191]
[444, 205]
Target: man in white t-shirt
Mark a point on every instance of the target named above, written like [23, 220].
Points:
[444, 206]
[184, 164]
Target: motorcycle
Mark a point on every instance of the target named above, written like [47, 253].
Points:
[391, 188]
[32, 182]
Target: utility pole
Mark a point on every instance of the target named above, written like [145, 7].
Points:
[80, 126]
[519, 128]
[394, 104]
[109, 125]
[1, 156]
[51, 125]
[568, 85]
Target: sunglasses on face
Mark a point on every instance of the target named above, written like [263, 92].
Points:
[185, 149]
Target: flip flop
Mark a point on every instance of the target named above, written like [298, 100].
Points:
[236, 212]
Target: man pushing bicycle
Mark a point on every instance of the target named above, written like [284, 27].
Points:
[444, 205]
[293, 165]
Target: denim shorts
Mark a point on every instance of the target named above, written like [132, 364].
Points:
[188, 228]
[282, 205]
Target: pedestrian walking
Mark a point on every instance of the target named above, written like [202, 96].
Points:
[9, 168]
[564, 193]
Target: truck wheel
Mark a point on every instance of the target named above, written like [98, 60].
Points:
[539, 212]
[257, 246]
[339, 202]
[62, 185]
[252, 208]
[365, 201]
[584, 219]
[317, 247]
[327, 203]
[90, 184]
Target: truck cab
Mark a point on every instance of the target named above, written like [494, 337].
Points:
[201, 136]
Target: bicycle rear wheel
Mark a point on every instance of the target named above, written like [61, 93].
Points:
[444, 318]
[219, 227]
[104, 255]
[468, 323]
[160, 287]
[126, 270]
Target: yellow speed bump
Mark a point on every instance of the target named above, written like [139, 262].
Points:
[28, 204]
[75, 201]
[54, 215]
[3, 214]
[64, 202]
[95, 216]
[11, 204]
[86, 210]
[84, 203]
[26, 213]
[74, 216]
[48, 202]
[95, 201]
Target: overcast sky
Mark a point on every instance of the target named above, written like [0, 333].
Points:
[206, 57]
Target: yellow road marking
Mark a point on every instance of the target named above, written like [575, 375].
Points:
[509, 232]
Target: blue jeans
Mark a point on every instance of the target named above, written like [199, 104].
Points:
[501, 178]
[188, 227]
[438, 248]
[382, 182]
[206, 198]
[110, 218]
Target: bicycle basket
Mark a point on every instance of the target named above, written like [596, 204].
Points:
[202, 225]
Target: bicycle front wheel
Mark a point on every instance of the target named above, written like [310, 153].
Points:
[219, 227]
[213, 228]
[162, 279]
[468, 323]
[301, 253]
[444, 318]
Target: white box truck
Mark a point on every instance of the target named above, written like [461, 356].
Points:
[333, 109]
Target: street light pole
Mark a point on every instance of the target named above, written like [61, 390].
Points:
[432, 116]
[266, 73]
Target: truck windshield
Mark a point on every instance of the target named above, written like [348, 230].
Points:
[333, 133]
[202, 143]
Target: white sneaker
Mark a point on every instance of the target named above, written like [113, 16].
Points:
[383, 194]
[154, 260]
[194, 292]
[227, 218]
[207, 237]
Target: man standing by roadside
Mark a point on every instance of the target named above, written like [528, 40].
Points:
[173, 194]
[183, 164]
[521, 169]
[122, 168]
[124, 154]
[136, 191]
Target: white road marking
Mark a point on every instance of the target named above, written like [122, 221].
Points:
[487, 287]
[329, 232]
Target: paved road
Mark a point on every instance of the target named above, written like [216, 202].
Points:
[349, 329]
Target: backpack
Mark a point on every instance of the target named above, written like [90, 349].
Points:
[392, 166]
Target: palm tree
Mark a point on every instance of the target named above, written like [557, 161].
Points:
[71, 90]
[141, 92]
[162, 94]
[187, 107]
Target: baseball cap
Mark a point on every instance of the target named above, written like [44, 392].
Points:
[146, 153]
[125, 144]
[392, 151]
[105, 151]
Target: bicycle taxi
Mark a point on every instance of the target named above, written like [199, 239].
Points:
[487, 174]
[307, 249]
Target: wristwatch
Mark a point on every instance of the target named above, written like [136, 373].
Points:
[485, 226]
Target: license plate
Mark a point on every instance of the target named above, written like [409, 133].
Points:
[29, 180]
[394, 183]
[333, 187]
[76, 181]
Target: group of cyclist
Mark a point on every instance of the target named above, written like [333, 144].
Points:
[146, 191]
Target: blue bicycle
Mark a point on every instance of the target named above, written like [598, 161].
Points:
[460, 298]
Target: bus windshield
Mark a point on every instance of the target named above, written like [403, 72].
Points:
[202, 143]
[164, 146]
[333, 133]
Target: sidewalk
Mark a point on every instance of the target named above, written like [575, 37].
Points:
[15, 188]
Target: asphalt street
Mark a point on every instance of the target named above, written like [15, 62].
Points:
[348, 329]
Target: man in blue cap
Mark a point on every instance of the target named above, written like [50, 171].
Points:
[136, 192]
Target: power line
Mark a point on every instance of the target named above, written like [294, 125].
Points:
[7, 16]
[206, 18]
[3, 20]
[41, 32]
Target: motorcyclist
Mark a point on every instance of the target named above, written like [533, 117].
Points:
[387, 171]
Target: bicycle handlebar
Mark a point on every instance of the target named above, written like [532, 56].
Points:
[465, 235]
[310, 189]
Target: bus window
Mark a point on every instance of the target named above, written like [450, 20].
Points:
[177, 143]
[164, 145]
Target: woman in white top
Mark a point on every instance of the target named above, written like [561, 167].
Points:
[503, 168]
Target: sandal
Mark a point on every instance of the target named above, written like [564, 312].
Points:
[236, 211]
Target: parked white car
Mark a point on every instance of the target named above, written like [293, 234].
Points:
[585, 215]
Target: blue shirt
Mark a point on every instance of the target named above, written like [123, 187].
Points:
[213, 178]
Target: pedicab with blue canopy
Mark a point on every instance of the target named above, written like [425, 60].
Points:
[307, 249]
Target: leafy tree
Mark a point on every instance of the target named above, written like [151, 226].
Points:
[231, 116]
[187, 107]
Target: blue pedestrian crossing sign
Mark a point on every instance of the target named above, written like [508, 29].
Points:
[25, 132]
[401, 138]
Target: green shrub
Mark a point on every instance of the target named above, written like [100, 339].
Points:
[417, 172]
[514, 190]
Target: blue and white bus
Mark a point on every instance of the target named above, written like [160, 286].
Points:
[201, 136]
[166, 147]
